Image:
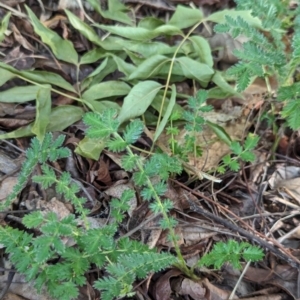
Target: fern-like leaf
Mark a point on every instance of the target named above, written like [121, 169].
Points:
[101, 125]
[128, 268]
[133, 131]
[231, 252]
[33, 220]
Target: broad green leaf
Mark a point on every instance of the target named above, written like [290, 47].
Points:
[61, 48]
[4, 26]
[141, 34]
[195, 70]
[202, 48]
[60, 118]
[19, 94]
[149, 67]
[92, 56]
[224, 86]
[39, 77]
[150, 23]
[138, 99]
[116, 5]
[133, 33]
[114, 12]
[185, 17]
[166, 115]
[84, 28]
[217, 93]
[20, 132]
[177, 74]
[220, 133]
[101, 72]
[101, 106]
[123, 66]
[134, 57]
[63, 116]
[43, 111]
[106, 89]
[5, 76]
[90, 148]
[219, 17]
[143, 48]
[156, 104]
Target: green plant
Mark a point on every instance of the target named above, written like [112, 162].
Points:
[239, 153]
[43, 257]
[150, 175]
[231, 252]
[141, 53]
[194, 123]
[266, 54]
[46, 259]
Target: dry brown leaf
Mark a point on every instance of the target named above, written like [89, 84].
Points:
[20, 39]
[8, 164]
[7, 186]
[11, 296]
[213, 148]
[215, 293]
[103, 174]
[195, 234]
[283, 172]
[19, 59]
[226, 45]
[283, 276]
[13, 123]
[54, 205]
[192, 289]
[162, 287]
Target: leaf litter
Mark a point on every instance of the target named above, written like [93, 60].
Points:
[272, 211]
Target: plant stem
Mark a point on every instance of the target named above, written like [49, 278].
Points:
[171, 69]
[181, 264]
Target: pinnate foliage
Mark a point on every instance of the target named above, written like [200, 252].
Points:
[266, 55]
[232, 252]
[239, 153]
[258, 55]
[133, 266]
[37, 153]
[194, 123]
[124, 260]
[46, 259]
[159, 165]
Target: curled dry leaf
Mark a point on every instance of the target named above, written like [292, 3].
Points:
[20, 39]
[162, 287]
[214, 292]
